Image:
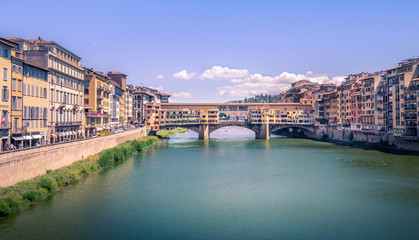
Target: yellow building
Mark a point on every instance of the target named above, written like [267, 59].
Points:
[16, 100]
[5, 83]
[96, 101]
[35, 105]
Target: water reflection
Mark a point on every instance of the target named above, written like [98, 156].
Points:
[185, 188]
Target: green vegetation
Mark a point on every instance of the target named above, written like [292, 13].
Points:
[14, 198]
[168, 133]
[258, 99]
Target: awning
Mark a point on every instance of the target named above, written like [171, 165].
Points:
[18, 138]
[37, 136]
[28, 137]
[99, 128]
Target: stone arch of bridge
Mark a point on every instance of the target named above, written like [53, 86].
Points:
[306, 129]
[220, 126]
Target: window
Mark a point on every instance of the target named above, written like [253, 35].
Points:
[5, 74]
[14, 103]
[19, 103]
[5, 94]
[86, 101]
[14, 84]
[24, 89]
[45, 92]
[6, 53]
[19, 85]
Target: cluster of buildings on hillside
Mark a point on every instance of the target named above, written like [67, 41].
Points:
[47, 96]
[380, 102]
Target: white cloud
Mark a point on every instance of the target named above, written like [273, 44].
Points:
[183, 75]
[157, 88]
[182, 95]
[160, 76]
[258, 84]
[223, 73]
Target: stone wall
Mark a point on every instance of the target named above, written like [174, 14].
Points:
[349, 136]
[27, 164]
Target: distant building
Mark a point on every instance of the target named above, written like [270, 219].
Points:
[121, 80]
[114, 109]
[97, 93]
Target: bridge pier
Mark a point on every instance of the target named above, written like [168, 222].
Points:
[203, 131]
[263, 132]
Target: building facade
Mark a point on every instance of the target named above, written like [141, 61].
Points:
[96, 102]
[65, 86]
[5, 83]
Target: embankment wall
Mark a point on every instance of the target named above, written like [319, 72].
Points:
[349, 136]
[25, 164]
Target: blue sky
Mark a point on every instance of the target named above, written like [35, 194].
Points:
[243, 47]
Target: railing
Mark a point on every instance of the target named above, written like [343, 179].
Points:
[5, 126]
[411, 117]
[410, 98]
[411, 88]
[411, 124]
[67, 123]
[410, 108]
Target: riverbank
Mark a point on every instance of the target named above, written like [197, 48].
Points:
[363, 140]
[20, 195]
[167, 133]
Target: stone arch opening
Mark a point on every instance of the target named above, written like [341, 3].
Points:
[232, 132]
[232, 117]
[222, 116]
[243, 117]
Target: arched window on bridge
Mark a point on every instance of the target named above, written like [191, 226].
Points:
[243, 117]
[232, 116]
[222, 116]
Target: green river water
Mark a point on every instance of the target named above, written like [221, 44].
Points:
[235, 187]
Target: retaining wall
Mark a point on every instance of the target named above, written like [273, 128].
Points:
[349, 136]
[27, 164]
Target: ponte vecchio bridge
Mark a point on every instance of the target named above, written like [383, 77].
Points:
[204, 118]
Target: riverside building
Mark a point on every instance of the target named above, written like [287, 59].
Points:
[114, 109]
[121, 80]
[65, 86]
[96, 101]
[5, 83]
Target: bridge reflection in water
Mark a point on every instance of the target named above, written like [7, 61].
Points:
[205, 118]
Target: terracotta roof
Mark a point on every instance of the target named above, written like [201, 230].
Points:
[116, 73]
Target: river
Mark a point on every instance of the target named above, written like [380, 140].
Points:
[235, 187]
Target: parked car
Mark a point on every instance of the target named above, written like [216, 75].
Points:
[103, 133]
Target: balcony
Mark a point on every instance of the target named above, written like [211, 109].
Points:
[410, 98]
[67, 123]
[5, 126]
[411, 89]
[410, 117]
[94, 114]
[100, 106]
[411, 124]
[101, 97]
[410, 108]
[100, 88]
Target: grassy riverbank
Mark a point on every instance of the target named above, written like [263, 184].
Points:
[168, 133]
[16, 197]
